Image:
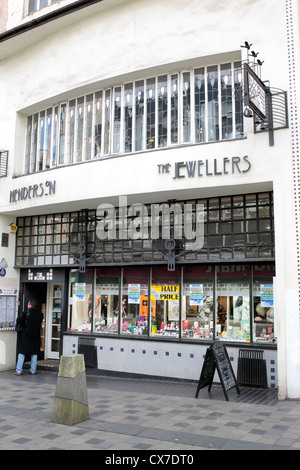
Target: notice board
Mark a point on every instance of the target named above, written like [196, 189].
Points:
[216, 358]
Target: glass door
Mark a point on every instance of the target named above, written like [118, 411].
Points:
[54, 320]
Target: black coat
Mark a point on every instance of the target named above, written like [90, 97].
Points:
[30, 338]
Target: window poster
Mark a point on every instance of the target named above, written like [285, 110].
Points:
[266, 295]
[196, 294]
[80, 291]
[8, 308]
[134, 292]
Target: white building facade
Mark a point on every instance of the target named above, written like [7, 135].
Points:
[149, 182]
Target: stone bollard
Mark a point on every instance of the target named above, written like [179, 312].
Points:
[71, 401]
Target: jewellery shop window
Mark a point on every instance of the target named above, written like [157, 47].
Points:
[80, 301]
[197, 302]
[263, 306]
[233, 303]
[106, 300]
[134, 307]
[165, 304]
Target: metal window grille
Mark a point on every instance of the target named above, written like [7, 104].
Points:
[236, 228]
[3, 162]
[86, 346]
[252, 368]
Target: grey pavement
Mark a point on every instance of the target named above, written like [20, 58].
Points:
[137, 414]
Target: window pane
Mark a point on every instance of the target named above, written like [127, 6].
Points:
[150, 129]
[32, 6]
[134, 314]
[79, 128]
[263, 305]
[128, 110]
[117, 121]
[238, 96]
[106, 302]
[162, 111]
[62, 133]
[42, 126]
[186, 106]
[88, 127]
[28, 144]
[164, 297]
[34, 144]
[200, 105]
[139, 115]
[197, 302]
[233, 303]
[81, 309]
[48, 138]
[98, 125]
[213, 103]
[174, 109]
[55, 137]
[226, 98]
[107, 109]
[71, 130]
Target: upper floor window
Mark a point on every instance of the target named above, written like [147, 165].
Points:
[36, 5]
[193, 106]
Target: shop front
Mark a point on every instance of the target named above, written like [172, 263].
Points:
[152, 307]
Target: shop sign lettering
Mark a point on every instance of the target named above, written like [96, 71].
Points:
[165, 292]
[207, 167]
[33, 191]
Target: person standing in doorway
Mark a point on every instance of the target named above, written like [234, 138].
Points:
[29, 345]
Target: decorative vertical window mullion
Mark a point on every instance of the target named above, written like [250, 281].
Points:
[49, 137]
[88, 127]
[233, 102]
[79, 131]
[62, 132]
[192, 107]
[33, 158]
[107, 122]
[71, 130]
[162, 111]
[54, 138]
[169, 92]
[133, 120]
[128, 117]
[98, 128]
[220, 101]
[122, 110]
[174, 109]
[116, 120]
[40, 142]
[186, 107]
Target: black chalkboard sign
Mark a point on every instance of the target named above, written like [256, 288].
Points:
[216, 357]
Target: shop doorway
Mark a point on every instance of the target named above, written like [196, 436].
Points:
[49, 297]
[38, 291]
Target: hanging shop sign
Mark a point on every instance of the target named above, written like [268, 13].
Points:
[207, 167]
[33, 191]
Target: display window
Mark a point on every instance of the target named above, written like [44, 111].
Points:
[165, 298]
[81, 300]
[134, 307]
[198, 302]
[233, 303]
[193, 302]
[263, 304]
[106, 300]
